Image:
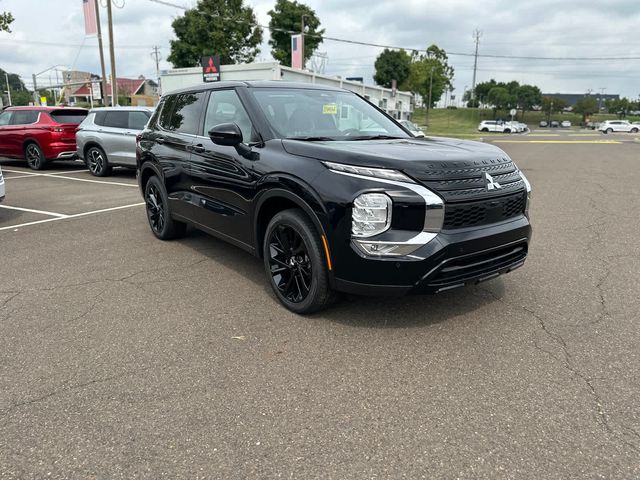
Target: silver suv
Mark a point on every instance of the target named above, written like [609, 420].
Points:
[107, 137]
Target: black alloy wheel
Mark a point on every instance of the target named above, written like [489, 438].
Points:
[35, 157]
[97, 162]
[290, 265]
[158, 213]
[296, 262]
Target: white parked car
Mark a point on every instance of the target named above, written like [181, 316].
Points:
[565, 124]
[494, 126]
[415, 130]
[1, 186]
[611, 126]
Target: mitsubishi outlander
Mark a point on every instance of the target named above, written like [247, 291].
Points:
[330, 192]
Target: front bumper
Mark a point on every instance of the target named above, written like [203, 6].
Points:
[452, 259]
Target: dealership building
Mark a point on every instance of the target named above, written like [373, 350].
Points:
[396, 103]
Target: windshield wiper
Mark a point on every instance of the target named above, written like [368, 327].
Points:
[375, 137]
[311, 139]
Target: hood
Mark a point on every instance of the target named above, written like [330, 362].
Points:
[402, 154]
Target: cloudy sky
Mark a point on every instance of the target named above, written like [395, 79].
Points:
[51, 32]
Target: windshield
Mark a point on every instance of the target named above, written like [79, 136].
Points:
[323, 115]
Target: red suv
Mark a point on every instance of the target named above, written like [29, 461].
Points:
[38, 134]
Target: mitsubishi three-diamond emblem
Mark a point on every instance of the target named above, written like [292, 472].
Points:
[490, 182]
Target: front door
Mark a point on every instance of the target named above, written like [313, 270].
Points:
[5, 120]
[224, 180]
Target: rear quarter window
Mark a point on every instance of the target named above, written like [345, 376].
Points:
[69, 116]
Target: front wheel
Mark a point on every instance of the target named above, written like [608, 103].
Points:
[634, 130]
[158, 213]
[35, 156]
[609, 130]
[296, 263]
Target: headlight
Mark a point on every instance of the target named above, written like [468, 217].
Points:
[371, 215]
[383, 173]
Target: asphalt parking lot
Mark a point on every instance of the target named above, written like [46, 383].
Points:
[122, 356]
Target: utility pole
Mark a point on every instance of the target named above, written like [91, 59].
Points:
[112, 57]
[476, 35]
[36, 100]
[602, 89]
[156, 56]
[430, 90]
[104, 72]
[302, 39]
[6, 77]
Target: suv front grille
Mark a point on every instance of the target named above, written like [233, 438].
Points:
[482, 212]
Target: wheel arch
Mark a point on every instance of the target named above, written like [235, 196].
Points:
[148, 168]
[276, 200]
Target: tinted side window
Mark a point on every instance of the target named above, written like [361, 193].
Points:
[5, 118]
[117, 119]
[137, 120]
[165, 114]
[225, 107]
[186, 112]
[100, 117]
[24, 117]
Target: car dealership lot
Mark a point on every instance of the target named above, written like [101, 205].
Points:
[123, 356]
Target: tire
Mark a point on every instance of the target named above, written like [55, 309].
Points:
[158, 214]
[295, 263]
[97, 162]
[484, 130]
[609, 130]
[506, 130]
[634, 130]
[34, 156]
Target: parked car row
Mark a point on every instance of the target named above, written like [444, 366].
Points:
[102, 138]
[555, 124]
[502, 127]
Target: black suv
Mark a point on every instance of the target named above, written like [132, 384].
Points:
[331, 192]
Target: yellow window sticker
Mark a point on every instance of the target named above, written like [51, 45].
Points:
[330, 109]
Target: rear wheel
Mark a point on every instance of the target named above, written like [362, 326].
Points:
[634, 130]
[97, 162]
[295, 263]
[35, 157]
[158, 213]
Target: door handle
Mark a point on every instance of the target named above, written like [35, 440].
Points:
[198, 148]
[160, 140]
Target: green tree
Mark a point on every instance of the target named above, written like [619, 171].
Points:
[481, 92]
[392, 65]
[553, 105]
[527, 97]
[5, 20]
[223, 27]
[586, 106]
[501, 98]
[15, 82]
[286, 16]
[430, 72]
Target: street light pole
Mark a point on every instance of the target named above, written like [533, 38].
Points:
[6, 77]
[112, 57]
[430, 90]
[104, 72]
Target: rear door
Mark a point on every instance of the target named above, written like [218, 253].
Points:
[113, 137]
[136, 120]
[173, 134]
[5, 120]
[20, 128]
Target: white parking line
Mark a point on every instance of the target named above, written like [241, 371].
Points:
[76, 215]
[41, 212]
[36, 174]
[92, 181]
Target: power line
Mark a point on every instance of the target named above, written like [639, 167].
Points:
[395, 47]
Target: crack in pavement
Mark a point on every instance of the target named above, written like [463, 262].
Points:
[602, 418]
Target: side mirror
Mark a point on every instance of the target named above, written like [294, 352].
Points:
[230, 135]
[226, 134]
